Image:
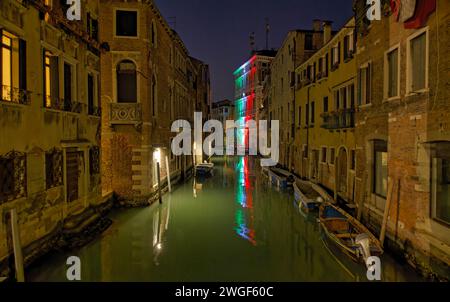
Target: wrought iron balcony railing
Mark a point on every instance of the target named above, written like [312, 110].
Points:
[125, 113]
[63, 105]
[343, 119]
[95, 111]
[15, 95]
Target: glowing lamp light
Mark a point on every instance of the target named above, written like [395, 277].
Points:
[159, 246]
[157, 155]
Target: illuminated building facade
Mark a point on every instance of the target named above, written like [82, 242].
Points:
[249, 79]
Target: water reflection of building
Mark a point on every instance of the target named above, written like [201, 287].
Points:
[245, 213]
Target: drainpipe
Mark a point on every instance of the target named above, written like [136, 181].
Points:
[295, 79]
[307, 136]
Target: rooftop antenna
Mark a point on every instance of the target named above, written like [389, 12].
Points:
[252, 41]
[267, 32]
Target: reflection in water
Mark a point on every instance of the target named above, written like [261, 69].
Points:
[237, 228]
[160, 226]
[244, 214]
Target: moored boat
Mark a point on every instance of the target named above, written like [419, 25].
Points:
[307, 195]
[204, 168]
[281, 178]
[348, 234]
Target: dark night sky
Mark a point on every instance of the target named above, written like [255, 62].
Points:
[217, 31]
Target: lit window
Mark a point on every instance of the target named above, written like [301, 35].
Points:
[13, 68]
[51, 80]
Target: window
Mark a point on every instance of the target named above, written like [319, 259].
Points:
[300, 116]
[154, 35]
[392, 74]
[332, 155]
[92, 27]
[320, 74]
[51, 81]
[351, 93]
[94, 160]
[126, 23]
[90, 94]
[440, 182]
[126, 82]
[352, 160]
[307, 115]
[324, 155]
[305, 151]
[343, 101]
[67, 86]
[53, 168]
[418, 63]
[13, 68]
[336, 99]
[313, 110]
[380, 169]
[364, 84]
[308, 42]
[13, 177]
[348, 46]
[154, 96]
[325, 104]
[336, 53]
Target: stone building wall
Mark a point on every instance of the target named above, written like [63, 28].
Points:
[413, 125]
[42, 134]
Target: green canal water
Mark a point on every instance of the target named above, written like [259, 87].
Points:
[230, 227]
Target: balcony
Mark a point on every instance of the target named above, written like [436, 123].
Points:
[343, 119]
[15, 95]
[95, 111]
[125, 114]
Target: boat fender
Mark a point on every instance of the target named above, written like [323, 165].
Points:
[363, 240]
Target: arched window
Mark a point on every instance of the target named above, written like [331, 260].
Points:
[126, 82]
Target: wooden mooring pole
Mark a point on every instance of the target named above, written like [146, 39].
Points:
[386, 211]
[168, 174]
[17, 247]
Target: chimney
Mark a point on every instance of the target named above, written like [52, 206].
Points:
[316, 25]
[326, 31]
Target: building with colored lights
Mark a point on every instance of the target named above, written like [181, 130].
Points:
[248, 94]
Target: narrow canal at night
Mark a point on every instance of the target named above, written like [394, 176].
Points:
[231, 227]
